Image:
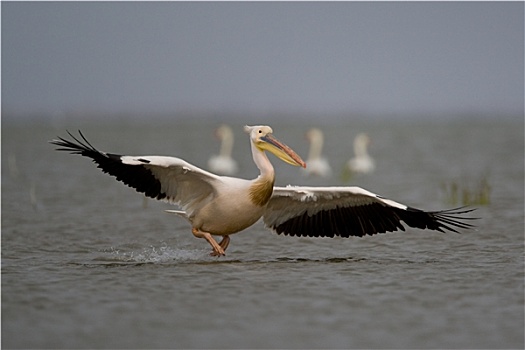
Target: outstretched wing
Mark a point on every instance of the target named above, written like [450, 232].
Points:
[349, 211]
[165, 178]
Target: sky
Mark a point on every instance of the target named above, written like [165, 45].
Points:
[317, 58]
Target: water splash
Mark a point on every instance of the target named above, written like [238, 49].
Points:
[152, 254]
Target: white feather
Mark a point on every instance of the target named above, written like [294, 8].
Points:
[291, 201]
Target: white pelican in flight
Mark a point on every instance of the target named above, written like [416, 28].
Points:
[317, 164]
[362, 163]
[220, 205]
[223, 163]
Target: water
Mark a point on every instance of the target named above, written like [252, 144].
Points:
[87, 263]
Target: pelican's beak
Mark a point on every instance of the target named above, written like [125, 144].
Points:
[283, 152]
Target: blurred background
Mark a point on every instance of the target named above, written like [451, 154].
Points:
[334, 61]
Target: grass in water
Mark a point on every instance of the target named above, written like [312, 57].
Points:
[468, 192]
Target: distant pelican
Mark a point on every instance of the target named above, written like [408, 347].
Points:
[317, 164]
[362, 163]
[223, 163]
[222, 205]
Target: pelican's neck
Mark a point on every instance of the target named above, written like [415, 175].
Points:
[262, 187]
[360, 147]
[226, 145]
[316, 146]
[263, 163]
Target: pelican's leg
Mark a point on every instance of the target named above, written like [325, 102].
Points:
[225, 242]
[217, 249]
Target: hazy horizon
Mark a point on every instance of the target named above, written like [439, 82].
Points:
[308, 60]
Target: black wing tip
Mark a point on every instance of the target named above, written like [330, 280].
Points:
[137, 177]
[371, 220]
[80, 145]
[458, 210]
[447, 219]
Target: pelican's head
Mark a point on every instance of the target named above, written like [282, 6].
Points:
[261, 136]
[314, 135]
[363, 138]
[224, 132]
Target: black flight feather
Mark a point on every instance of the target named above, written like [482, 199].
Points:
[135, 176]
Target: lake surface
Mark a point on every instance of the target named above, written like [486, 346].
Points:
[88, 263]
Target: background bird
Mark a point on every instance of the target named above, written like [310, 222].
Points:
[223, 163]
[362, 162]
[317, 165]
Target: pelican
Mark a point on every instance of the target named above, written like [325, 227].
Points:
[362, 163]
[221, 205]
[223, 163]
[317, 164]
